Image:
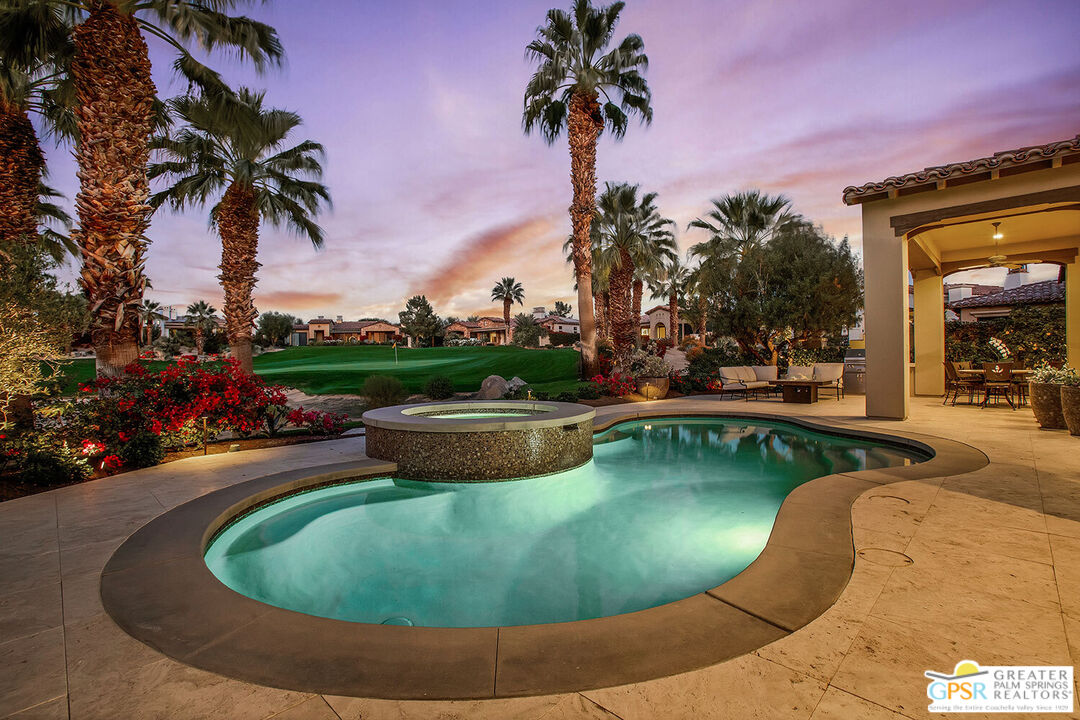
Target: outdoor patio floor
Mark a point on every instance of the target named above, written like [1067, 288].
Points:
[995, 579]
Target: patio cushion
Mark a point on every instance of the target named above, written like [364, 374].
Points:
[746, 373]
[828, 372]
[729, 375]
[733, 385]
[800, 372]
[765, 372]
[756, 384]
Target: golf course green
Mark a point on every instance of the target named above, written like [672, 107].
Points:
[342, 369]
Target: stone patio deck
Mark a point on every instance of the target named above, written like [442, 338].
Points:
[995, 578]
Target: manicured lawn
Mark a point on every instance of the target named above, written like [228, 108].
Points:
[341, 370]
[331, 370]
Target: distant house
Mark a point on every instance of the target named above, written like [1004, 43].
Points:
[556, 323]
[1001, 303]
[655, 324]
[488, 329]
[321, 329]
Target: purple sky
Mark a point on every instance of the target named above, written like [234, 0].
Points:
[437, 191]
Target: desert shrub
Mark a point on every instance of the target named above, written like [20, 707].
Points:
[588, 392]
[439, 387]
[382, 390]
[44, 458]
[642, 364]
[563, 338]
[143, 449]
[567, 396]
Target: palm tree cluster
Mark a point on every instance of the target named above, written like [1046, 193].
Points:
[83, 66]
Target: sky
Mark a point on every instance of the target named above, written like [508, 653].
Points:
[437, 191]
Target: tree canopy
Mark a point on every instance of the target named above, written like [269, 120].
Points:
[419, 320]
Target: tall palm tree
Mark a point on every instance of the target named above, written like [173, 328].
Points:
[628, 233]
[114, 101]
[231, 151]
[35, 51]
[508, 291]
[149, 313]
[202, 316]
[668, 280]
[573, 73]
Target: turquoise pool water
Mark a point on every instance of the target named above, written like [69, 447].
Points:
[665, 510]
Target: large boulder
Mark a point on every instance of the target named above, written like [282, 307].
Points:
[494, 387]
[515, 384]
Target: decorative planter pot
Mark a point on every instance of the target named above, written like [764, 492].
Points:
[1070, 407]
[1046, 404]
[653, 388]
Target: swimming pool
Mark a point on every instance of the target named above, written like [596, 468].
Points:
[666, 509]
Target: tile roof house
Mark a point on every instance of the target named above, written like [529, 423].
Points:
[321, 329]
[999, 304]
[488, 329]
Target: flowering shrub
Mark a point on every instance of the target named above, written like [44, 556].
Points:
[615, 384]
[681, 383]
[317, 421]
[663, 345]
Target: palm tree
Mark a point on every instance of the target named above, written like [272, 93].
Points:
[149, 312]
[741, 222]
[508, 291]
[628, 233]
[114, 101]
[696, 290]
[668, 281]
[35, 50]
[562, 309]
[565, 93]
[657, 246]
[202, 316]
[230, 151]
[600, 291]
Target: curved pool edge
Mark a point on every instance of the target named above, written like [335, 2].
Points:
[158, 588]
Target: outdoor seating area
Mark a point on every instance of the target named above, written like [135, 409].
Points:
[801, 383]
[983, 382]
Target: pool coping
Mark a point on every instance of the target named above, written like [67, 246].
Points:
[157, 587]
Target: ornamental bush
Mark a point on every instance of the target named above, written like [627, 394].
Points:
[44, 458]
[614, 385]
[382, 390]
[439, 387]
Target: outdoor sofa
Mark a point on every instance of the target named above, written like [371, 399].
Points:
[747, 380]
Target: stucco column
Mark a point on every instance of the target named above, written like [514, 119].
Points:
[1072, 313]
[885, 264]
[929, 333]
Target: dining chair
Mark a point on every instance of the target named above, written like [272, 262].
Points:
[997, 382]
[1021, 384]
[955, 383]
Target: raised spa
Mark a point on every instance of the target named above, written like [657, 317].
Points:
[480, 441]
[666, 509]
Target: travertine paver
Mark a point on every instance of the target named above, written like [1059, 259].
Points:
[995, 578]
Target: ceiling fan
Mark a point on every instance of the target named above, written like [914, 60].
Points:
[999, 260]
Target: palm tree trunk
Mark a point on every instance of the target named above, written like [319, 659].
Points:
[238, 225]
[621, 304]
[702, 316]
[600, 301]
[584, 123]
[199, 342]
[673, 313]
[639, 290]
[506, 320]
[21, 166]
[115, 94]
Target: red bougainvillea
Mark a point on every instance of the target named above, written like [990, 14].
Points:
[615, 384]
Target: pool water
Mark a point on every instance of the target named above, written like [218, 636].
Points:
[665, 510]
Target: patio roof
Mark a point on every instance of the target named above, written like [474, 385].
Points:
[1007, 162]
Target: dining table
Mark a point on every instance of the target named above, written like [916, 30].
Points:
[1018, 374]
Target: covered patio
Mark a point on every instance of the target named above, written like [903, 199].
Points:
[1014, 207]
